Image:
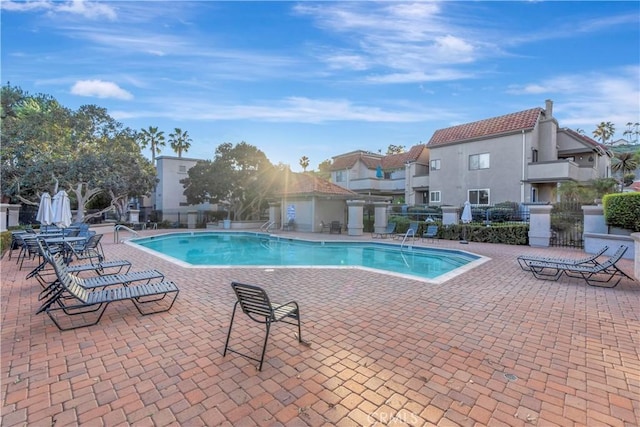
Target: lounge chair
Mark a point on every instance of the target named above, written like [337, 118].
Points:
[335, 227]
[324, 227]
[389, 231]
[525, 260]
[595, 275]
[82, 301]
[90, 249]
[430, 233]
[256, 304]
[412, 232]
[289, 226]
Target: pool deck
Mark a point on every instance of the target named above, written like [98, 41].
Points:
[492, 346]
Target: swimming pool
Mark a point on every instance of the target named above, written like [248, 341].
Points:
[247, 249]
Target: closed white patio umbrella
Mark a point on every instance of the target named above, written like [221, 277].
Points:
[45, 210]
[61, 209]
[466, 213]
[466, 218]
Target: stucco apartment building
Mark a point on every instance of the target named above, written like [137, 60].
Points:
[519, 157]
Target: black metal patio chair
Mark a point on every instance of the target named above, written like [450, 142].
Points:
[255, 303]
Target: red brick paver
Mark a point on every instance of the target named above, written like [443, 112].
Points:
[384, 350]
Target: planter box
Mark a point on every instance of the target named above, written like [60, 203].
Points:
[594, 241]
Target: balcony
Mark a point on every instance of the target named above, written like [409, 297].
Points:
[557, 170]
[376, 184]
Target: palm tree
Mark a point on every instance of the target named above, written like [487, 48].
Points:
[304, 162]
[152, 138]
[604, 132]
[633, 131]
[624, 163]
[180, 141]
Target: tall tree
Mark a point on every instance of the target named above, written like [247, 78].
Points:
[180, 141]
[324, 169]
[44, 145]
[304, 162]
[604, 132]
[152, 138]
[239, 176]
[395, 149]
[632, 132]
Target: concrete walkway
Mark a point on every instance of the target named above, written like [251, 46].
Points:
[493, 346]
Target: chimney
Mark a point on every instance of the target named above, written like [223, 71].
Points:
[549, 108]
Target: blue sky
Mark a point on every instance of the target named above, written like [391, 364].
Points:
[318, 79]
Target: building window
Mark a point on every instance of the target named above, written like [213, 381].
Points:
[534, 155]
[182, 169]
[479, 197]
[339, 176]
[534, 195]
[387, 175]
[435, 164]
[479, 161]
[434, 197]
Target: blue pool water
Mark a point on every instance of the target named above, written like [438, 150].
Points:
[257, 249]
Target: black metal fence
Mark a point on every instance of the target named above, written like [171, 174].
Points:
[567, 225]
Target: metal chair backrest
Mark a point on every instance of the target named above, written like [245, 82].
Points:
[254, 302]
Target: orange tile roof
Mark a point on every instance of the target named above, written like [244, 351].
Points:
[302, 183]
[348, 160]
[396, 161]
[586, 139]
[513, 122]
[372, 161]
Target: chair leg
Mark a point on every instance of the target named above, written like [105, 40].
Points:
[264, 347]
[233, 315]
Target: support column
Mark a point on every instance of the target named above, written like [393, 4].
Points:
[356, 215]
[381, 220]
[540, 225]
[134, 216]
[9, 216]
[594, 219]
[450, 215]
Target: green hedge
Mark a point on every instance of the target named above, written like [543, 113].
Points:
[511, 234]
[622, 210]
[5, 242]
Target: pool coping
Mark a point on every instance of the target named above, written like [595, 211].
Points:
[479, 259]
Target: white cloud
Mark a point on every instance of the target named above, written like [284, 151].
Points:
[85, 8]
[100, 89]
[584, 100]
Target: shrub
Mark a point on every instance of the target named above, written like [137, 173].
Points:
[622, 210]
[510, 234]
[5, 242]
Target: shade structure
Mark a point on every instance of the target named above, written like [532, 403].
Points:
[61, 209]
[45, 210]
[466, 213]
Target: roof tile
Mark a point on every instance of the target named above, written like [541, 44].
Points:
[489, 127]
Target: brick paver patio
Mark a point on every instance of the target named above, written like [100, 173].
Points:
[493, 346]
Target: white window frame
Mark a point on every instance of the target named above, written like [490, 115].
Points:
[434, 164]
[182, 169]
[340, 176]
[435, 196]
[476, 200]
[479, 161]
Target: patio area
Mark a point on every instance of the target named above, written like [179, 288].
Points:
[492, 346]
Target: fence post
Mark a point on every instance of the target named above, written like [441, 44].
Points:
[594, 219]
[540, 225]
[380, 221]
[356, 210]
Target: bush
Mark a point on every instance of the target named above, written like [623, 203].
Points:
[5, 242]
[511, 234]
[622, 210]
